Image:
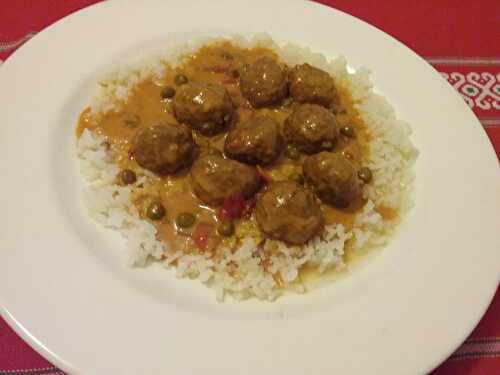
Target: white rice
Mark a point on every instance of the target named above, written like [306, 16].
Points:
[238, 273]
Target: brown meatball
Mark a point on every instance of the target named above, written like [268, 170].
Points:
[256, 141]
[308, 84]
[164, 148]
[311, 128]
[263, 82]
[287, 211]
[214, 178]
[333, 177]
[207, 108]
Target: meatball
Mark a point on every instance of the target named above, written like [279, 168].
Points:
[207, 108]
[263, 82]
[214, 178]
[308, 84]
[163, 148]
[287, 211]
[333, 177]
[311, 128]
[256, 141]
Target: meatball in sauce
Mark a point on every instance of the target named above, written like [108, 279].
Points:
[164, 148]
[255, 141]
[215, 178]
[311, 128]
[210, 138]
[288, 212]
[263, 82]
[333, 177]
[308, 84]
[207, 108]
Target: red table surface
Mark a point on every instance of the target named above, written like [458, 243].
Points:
[460, 39]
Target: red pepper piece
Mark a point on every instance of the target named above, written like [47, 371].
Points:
[201, 235]
[233, 207]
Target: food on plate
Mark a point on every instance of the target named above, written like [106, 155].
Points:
[309, 84]
[263, 82]
[245, 164]
[206, 107]
[126, 177]
[255, 141]
[163, 148]
[288, 212]
[214, 178]
[333, 177]
[311, 128]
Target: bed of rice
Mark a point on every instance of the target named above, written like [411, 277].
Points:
[239, 273]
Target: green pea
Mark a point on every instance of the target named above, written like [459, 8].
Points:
[126, 177]
[167, 92]
[180, 79]
[185, 220]
[292, 152]
[155, 211]
[347, 130]
[365, 174]
[226, 228]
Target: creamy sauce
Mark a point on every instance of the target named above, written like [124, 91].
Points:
[144, 107]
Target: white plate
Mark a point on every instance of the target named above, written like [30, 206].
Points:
[66, 291]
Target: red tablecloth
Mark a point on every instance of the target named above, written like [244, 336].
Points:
[461, 39]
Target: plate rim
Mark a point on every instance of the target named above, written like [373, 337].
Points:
[35, 344]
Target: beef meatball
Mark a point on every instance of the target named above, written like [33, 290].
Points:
[163, 149]
[333, 177]
[308, 84]
[311, 128]
[288, 212]
[214, 178]
[256, 141]
[263, 82]
[207, 108]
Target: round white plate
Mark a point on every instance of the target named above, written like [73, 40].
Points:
[65, 289]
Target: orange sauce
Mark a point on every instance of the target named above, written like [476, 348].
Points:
[144, 106]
